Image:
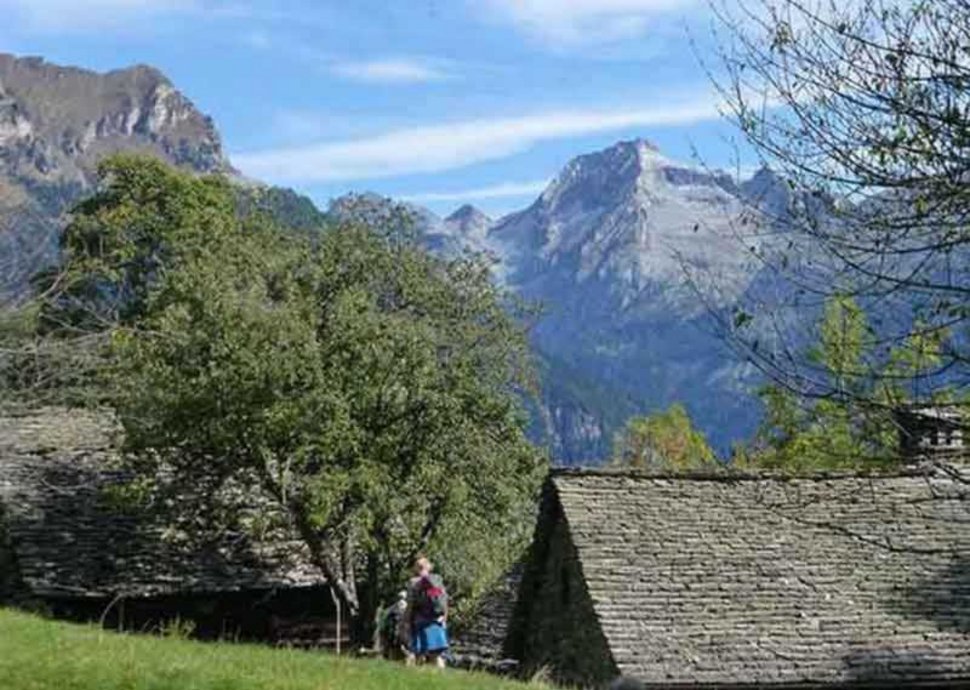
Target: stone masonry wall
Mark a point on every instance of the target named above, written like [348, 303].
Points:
[557, 628]
[11, 586]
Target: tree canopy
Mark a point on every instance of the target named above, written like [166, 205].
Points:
[851, 423]
[862, 110]
[368, 392]
[665, 440]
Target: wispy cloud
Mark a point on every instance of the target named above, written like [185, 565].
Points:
[573, 22]
[391, 71]
[504, 190]
[385, 70]
[453, 145]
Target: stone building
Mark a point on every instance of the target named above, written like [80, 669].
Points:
[67, 549]
[735, 581]
[931, 432]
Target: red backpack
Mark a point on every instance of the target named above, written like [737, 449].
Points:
[434, 598]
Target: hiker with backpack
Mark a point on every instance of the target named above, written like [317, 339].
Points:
[427, 614]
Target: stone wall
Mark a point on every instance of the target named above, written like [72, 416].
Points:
[555, 630]
[480, 642]
[10, 583]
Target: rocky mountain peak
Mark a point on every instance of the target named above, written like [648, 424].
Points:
[467, 213]
[468, 224]
[57, 122]
[768, 191]
[629, 217]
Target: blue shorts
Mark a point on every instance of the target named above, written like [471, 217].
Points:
[429, 638]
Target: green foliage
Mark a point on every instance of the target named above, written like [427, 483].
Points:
[851, 425]
[844, 341]
[44, 655]
[665, 440]
[366, 391]
[38, 370]
[282, 206]
[178, 628]
[147, 218]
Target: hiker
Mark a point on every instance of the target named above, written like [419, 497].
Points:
[393, 629]
[427, 614]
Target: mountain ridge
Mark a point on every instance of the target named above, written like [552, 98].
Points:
[616, 247]
[57, 122]
[634, 258]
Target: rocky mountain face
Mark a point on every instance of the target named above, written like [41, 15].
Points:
[56, 123]
[468, 224]
[635, 257]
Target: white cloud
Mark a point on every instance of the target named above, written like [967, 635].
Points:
[74, 15]
[453, 145]
[499, 191]
[390, 71]
[584, 21]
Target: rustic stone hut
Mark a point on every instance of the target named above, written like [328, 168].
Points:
[931, 432]
[749, 581]
[67, 548]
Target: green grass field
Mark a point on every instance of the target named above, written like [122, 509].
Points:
[37, 654]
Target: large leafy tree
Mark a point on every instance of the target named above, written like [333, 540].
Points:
[863, 109]
[364, 392]
[145, 219]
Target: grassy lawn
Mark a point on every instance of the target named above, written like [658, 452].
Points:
[36, 654]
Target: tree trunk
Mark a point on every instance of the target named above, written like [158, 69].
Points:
[345, 588]
[371, 602]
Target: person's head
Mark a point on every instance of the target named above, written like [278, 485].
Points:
[402, 595]
[422, 566]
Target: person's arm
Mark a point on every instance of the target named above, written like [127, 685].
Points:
[444, 618]
[411, 608]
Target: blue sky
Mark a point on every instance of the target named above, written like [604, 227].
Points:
[438, 101]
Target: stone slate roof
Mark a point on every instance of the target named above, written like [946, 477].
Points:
[68, 540]
[771, 580]
[480, 643]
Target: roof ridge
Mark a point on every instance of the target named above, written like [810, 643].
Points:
[733, 475]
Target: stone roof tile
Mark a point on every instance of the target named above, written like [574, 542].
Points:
[771, 579]
[55, 465]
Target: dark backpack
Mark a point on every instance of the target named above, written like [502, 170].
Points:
[434, 598]
[389, 625]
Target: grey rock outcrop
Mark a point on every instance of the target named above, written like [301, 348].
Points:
[57, 123]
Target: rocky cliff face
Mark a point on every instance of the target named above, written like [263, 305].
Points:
[632, 257]
[635, 257]
[57, 122]
[634, 221]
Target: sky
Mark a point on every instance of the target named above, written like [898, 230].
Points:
[441, 102]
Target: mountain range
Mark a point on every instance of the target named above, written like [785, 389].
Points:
[633, 257]
[634, 260]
